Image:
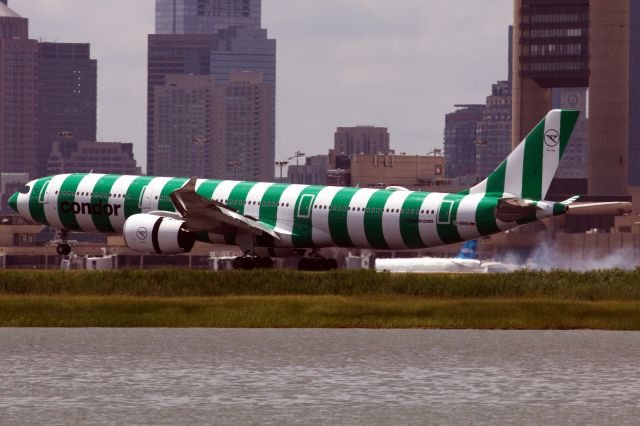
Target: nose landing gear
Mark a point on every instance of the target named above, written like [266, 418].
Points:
[63, 249]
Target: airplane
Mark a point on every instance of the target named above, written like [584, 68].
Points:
[167, 215]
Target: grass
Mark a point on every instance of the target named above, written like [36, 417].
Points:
[520, 300]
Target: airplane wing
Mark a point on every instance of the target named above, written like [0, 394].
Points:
[203, 215]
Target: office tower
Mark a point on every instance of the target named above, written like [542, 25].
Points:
[312, 172]
[361, 140]
[18, 94]
[460, 136]
[580, 44]
[208, 37]
[242, 129]
[205, 16]
[183, 123]
[101, 157]
[67, 91]
[493, 143]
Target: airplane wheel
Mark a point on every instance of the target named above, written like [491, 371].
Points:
[238, 263]
[248, 264]
[305, 264]
[63, 249]
[265, 263]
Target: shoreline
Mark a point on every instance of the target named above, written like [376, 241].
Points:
[601, 300]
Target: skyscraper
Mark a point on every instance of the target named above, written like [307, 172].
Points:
[580, 44]
[361, 140]
[67, 92]
[18, 94]
[494, 130]
[207, 37]
[205, 16]
[460, 136]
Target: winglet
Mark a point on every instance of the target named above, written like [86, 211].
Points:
[570, 200]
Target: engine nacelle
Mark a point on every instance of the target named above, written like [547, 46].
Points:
[147, 233]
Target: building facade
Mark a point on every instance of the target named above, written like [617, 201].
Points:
[205, 16]
[460, 137]
[242, 130]
[86, 156]
[313, 172]
[493, 143]
[580, 44]
[67, 96]
[369, 140]
[207, 37]
[18, 94]
[183, 123]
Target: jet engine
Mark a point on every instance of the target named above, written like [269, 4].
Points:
[147, 233]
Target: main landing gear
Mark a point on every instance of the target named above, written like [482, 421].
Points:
[252, 262]
[317, 263]
[63, 249]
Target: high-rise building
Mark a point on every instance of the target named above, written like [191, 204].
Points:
[205, 16]
[493, 142]
[312, 172]
[579, 44]
[242, 146]
[460, 137]
[206, 37]
[83, 156]
[67, 92]
[361, 140]
[183, 124]
[18, 94]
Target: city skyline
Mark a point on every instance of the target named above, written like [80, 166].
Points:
[399, 66]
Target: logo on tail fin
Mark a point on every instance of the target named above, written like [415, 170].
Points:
[551, 138]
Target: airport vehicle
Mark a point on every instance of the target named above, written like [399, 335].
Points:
[168, 215]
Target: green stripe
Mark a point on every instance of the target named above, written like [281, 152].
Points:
[68, 194]
[568, 121]
[338, 217]
[485, 216]
[302, 226]
[36, 207]
[269, 210]
[237, 198]
[165, 202]
[448, 232]
[532, 164]
[207, 188]
[101, 191]
[133, 195]
[409, 219]
[373, 219]
[495, 181]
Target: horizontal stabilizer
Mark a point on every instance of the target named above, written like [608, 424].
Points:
[608, 208]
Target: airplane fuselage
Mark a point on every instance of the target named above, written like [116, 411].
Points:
[303, 216]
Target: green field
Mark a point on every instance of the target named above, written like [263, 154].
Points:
[181, 298]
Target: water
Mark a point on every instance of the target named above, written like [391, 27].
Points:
[359, 377]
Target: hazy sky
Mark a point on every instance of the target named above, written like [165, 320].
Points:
[400, 64]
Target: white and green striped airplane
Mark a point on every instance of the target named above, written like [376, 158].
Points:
[167, 215]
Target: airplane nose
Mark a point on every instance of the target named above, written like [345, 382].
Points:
[13, 202]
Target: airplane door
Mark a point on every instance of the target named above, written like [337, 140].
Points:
[45, 195]
[150, 196]
[444, 212]
[305, 206]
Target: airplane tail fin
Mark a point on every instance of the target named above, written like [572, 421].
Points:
[528, 170]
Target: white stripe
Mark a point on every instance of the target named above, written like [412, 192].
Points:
[550, 152]
[151, 195]
[480, 188]
[23, 203]
[355, 218]
[391, 220]
[515, 169]
[51, 201]
[120, 187]
[255, 195]
[428, 227]
[223, 190]
[285, 216]
[320, 232]
[466, 217]
[86, 185]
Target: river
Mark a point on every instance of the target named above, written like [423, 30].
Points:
[294, 376]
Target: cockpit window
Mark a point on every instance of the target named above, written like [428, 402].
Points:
[25, 190]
